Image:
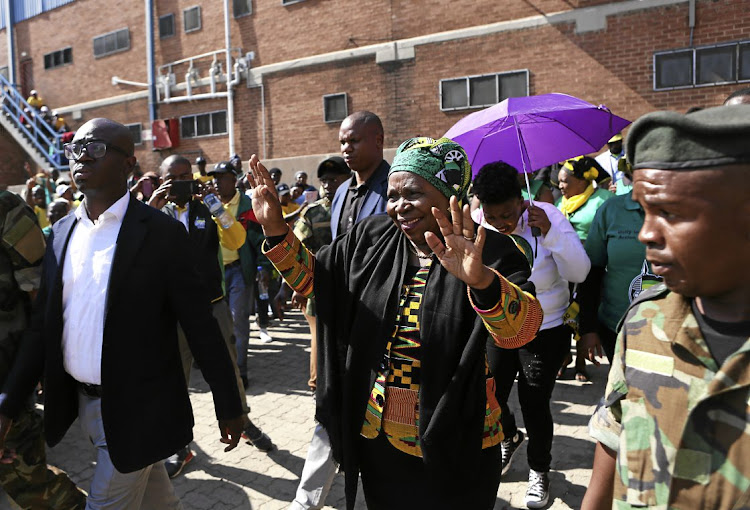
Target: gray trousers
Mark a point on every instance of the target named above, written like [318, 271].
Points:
[317, 475]
[146, 489]
[223, 316]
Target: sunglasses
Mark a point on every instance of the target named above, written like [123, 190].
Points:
[96, 150]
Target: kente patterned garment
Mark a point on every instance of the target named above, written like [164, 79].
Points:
[393, 406]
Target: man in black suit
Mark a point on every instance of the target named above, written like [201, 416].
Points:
[118, 372]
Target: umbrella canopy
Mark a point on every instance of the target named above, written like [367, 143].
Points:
[535, 131]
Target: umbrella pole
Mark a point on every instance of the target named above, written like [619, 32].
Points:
[535, 231]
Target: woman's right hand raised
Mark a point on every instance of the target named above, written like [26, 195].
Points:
[266, 205]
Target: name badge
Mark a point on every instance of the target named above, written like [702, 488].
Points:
[200, 223]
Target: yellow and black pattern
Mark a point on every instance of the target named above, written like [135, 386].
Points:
[393, 406]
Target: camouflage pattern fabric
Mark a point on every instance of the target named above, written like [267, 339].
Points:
[313, 227]
[680, 423]
[28, 480]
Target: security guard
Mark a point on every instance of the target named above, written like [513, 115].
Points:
[673, 429]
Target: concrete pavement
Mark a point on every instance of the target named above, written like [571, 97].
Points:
[282, 406]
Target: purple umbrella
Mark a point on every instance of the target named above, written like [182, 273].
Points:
[535, 131]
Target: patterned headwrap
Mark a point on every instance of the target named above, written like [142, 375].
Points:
[442, 163]
[583, 167]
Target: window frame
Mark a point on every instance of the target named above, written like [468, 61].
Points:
[62, 58]
[140, 132]
[291, 2]
[114, 34]
[248, 13]
[346, 107]
[174, 26]
[200, 19]
[694, 55]
[498, 76]
[194, 117]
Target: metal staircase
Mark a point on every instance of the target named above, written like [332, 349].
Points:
[36, 137]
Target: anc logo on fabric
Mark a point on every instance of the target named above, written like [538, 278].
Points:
[452, 174]
[644, 281]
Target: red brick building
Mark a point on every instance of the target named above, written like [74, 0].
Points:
[304, 64]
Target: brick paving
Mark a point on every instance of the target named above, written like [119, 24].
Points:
[281, 405]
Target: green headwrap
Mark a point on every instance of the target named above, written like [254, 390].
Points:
[443, 163]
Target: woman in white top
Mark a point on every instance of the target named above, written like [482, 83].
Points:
[556, 258]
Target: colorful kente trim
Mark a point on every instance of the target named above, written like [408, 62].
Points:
[515, 320]
[294, 262]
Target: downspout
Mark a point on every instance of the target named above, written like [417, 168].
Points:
[230, 99]
[8, 4]
[263, 115]
[153, 102]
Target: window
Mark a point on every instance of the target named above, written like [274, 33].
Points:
[135, 132]
[58, 58]
[242, 7]
[112, 42]
[334, 107]
[482, 91]
[166, 26]
[716, 65]
[192, 18]
[707, 65]
[743, 72]
[204, 124]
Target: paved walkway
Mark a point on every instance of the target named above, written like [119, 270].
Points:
[281, 405]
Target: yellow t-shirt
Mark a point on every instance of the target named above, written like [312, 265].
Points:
[232, 206]
[201, 178]
[41, 216]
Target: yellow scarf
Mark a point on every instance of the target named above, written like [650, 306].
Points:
[569, 205]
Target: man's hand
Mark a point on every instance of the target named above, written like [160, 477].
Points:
[30, 183]
[6, 455]
[160, 197]
[299, 301]
[231, 430]
[591, 346]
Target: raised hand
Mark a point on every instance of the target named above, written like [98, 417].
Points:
[266, 205]
[461, 254]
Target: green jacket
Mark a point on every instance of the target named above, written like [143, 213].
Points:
[582, 217]
[678, 421]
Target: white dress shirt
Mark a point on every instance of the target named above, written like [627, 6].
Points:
[86, 271]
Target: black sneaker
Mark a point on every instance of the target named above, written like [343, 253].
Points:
[509, 447]
[177, 462]
[537, 495]
[256, 437]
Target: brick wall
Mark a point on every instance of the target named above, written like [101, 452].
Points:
[612, 66]
[11, 161]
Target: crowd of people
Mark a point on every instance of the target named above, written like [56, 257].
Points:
[430, 290]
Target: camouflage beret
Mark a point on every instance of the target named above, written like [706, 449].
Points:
[706, 138]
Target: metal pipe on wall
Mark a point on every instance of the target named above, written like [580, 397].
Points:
[8, 5]
[153, 102]
[230, 95]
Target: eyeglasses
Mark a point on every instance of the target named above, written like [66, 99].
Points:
[96, 150]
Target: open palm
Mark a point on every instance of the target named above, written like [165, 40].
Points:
[461, 253]
[266, 205]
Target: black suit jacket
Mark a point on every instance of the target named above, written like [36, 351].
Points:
[153, 284]
[204, 240]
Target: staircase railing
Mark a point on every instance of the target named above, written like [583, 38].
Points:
[29, 121]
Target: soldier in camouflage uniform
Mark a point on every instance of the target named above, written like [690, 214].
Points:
[673, 429]
[27, 479]
[313, 228]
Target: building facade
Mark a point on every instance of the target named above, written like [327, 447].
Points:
[299, 66]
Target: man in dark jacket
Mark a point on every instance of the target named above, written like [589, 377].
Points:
[121, 378]
[205, 238]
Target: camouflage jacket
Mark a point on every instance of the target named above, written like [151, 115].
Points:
[680, 423]
[20, 257]
[313, 227]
